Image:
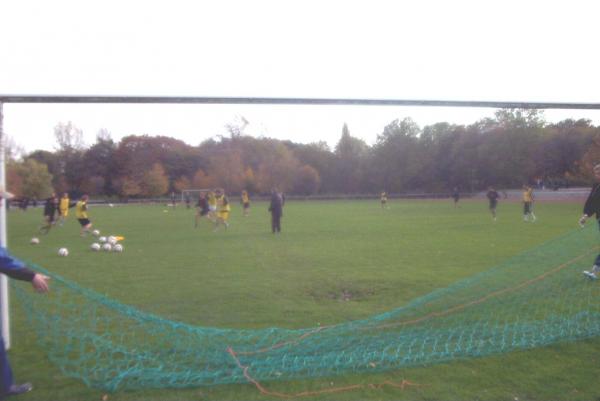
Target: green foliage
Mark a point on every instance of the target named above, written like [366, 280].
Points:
[30, 179]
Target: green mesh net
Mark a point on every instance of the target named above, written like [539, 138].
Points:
[533, 299]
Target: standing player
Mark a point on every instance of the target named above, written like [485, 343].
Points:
[201, 208]
[82, 215]
[383, 198]
[528, 203]
[223, 209]
[63, 208]
[245, 202]
[455, 196]
[276, 209]
[49, 214]
[493, 196]
[591, 207]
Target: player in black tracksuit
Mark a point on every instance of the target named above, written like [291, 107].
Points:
[591, 207]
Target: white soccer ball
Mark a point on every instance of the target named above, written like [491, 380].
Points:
[118, 248]
[63, 252]
[102, 239]
[96, 233]
[111, 205]
[34, 241]
[107, 247]
[111, 240]
[95, 246]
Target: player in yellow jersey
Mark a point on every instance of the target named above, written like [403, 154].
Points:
[212, 205]
[223, 209]
[528, 203]
[63, 208]
[245, 202]
[82, 215]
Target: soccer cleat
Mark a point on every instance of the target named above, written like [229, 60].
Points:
[590, 275]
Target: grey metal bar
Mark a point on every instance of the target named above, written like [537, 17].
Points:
[291, 101]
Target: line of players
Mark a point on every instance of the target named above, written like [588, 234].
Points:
[56, 211]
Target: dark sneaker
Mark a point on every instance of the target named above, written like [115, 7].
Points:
[17, 389]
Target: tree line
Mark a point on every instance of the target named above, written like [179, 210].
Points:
[512, 148]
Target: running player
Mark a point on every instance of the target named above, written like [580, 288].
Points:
[223, 209]
[49, 214]
[201, 208]
[82, 215]
[212, 205]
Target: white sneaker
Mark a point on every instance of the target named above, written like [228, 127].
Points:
[590, 275]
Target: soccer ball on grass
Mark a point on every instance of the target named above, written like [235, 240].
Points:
[63, 252]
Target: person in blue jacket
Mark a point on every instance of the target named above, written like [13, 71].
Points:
[16, 269]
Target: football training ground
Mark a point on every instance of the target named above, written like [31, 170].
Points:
[334, 262]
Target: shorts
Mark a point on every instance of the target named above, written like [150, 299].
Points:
[64, 212]
[493, 205]
[212, 208]
[202, 212]
[49, 218]
[526, 207]
[223, 215]
[84, 222]
[246, 205]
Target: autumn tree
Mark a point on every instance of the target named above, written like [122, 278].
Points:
[29, 179]
[155, 181]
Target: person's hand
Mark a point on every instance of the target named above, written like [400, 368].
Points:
[40, 283]
[582, 220]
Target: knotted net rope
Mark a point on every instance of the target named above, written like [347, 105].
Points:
[533, 299]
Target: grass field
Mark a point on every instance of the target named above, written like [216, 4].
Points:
[333, 262]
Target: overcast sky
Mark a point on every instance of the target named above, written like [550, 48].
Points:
[458, 50]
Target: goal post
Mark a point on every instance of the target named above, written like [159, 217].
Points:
[4, 310]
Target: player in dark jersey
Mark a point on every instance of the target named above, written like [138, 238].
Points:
[202, 209]
[50, 208]
[493, 196]
[591, 207]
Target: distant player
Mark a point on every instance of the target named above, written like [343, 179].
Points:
[82, 215]
[201, 208]
[63, 208]
[383, 199]
[591, 207]
[187, 201]
[223, 209]
[245, 202]
[212, 205]
[528, 204]
[50, 207]
[493, 196]
[455, 196]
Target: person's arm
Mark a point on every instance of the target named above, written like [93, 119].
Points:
[588, 207]
[16, 269]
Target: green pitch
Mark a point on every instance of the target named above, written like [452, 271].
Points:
[333, 262]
